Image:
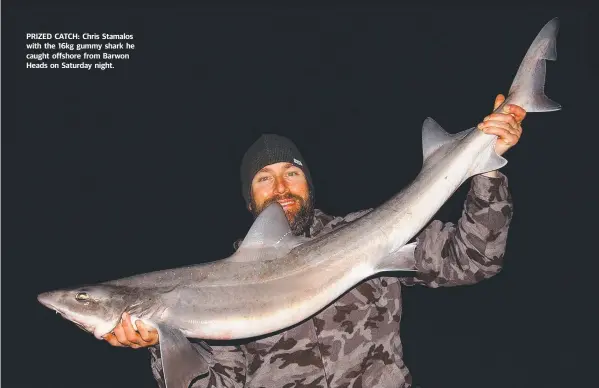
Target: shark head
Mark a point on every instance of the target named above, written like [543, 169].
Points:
[96, 309]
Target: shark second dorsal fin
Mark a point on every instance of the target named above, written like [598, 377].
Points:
[434, 137]
[436, 142]
[269, 237]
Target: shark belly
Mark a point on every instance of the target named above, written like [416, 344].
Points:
[256, 309]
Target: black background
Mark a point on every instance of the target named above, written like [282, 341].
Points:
[112, 173]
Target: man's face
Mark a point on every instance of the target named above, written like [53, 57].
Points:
[285, 183]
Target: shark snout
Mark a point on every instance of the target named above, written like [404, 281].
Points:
[43, 298]
[48, 299]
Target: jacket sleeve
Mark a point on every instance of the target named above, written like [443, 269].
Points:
[227, 369]
[452, 255]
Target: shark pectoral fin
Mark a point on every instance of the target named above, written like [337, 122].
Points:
[181, 361]
[402, 259]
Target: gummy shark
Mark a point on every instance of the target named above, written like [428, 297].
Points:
[275, 279]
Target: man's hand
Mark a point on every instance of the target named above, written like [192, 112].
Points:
[505, 124]
[125, 335]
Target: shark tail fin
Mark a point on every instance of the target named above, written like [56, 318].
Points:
[528, 87]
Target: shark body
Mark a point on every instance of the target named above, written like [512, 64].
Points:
[275, 280]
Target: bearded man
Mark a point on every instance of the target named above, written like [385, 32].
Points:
[355, 341]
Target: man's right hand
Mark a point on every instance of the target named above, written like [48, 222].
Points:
[125, 335]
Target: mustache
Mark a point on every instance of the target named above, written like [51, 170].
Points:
[285, 197]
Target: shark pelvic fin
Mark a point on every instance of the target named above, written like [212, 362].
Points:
[181, 361]
[269, 237]
[435, 137]
[401, 260]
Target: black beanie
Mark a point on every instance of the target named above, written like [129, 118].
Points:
[270, 149]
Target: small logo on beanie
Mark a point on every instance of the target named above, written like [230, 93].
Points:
[297, 162]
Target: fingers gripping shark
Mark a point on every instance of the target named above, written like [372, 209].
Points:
[276, 280]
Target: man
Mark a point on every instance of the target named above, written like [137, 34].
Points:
[355, 341]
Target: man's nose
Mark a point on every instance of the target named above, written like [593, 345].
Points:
[281, 186]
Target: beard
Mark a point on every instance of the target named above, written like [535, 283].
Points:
[299, 222]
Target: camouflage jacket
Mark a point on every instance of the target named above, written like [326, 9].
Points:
[355, 342]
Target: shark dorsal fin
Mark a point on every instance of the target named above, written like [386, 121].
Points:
[434, 137]
[269, 237]
[270, 229]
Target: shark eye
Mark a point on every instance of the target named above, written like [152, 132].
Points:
[82, 296]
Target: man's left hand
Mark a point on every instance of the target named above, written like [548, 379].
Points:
[506, 124]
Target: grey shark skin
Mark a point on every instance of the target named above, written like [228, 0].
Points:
[276, 280]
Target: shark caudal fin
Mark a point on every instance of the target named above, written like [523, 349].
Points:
[527, 91]
[528, 87]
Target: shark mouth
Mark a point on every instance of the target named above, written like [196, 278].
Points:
[81, 325]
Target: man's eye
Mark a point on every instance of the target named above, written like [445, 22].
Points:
[262, 179]
[292, 173]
